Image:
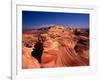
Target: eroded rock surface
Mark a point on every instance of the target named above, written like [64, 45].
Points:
[56, 46]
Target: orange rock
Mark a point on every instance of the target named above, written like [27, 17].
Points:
[27, 60]
[62, 47]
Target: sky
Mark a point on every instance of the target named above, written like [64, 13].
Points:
[36, 19]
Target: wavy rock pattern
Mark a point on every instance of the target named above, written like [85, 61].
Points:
[55, 46]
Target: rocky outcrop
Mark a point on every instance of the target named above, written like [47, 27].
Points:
[57, 46]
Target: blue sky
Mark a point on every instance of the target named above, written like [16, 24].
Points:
[33, 19]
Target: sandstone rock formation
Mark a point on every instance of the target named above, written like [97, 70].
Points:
[55, 46]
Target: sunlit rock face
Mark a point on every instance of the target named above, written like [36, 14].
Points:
[56, 46]
[27, 60]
